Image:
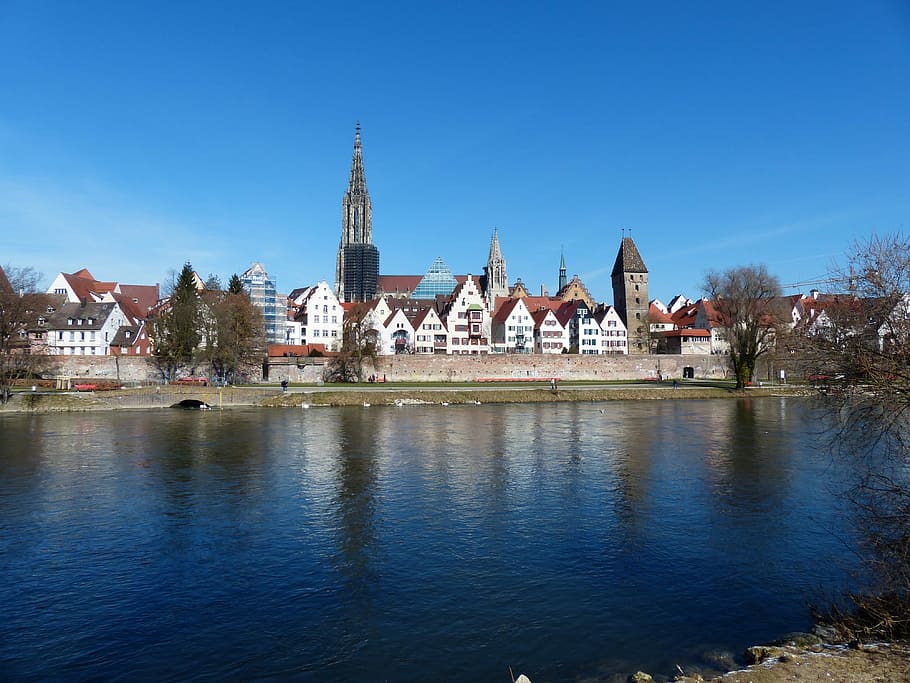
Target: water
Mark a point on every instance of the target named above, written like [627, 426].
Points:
[412, 543]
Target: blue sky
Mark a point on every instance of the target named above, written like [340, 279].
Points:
[137, 135]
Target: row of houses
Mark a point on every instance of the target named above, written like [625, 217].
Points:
[86, 316]
[461, 323]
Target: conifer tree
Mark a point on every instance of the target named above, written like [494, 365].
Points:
[176, 331]
[235, 286]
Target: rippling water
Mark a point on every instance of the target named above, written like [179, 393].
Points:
[568, 541]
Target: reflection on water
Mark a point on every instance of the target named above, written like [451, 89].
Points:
[566, 541]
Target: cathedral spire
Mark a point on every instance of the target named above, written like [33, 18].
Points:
[496, 282]
[358, 182]
[357, 265]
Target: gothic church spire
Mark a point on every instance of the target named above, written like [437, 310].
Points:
[357, 265]
[496, 281]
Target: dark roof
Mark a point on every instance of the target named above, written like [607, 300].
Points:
[98, 313]
[126, 335]
[628, 260]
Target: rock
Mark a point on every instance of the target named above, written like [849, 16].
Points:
[640, 677]
[761, 653]
[803, 641]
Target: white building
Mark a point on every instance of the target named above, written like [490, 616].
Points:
[77, 329]
[467, 319]
[512, 329]
[320, 315]
[430, 333]
[549, 334]
[613, 333]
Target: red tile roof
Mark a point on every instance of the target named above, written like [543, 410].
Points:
[504, 310]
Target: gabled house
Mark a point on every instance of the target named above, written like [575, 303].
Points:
[512, 329]
[614, 338]
[430, 333]
[82, 286]
[584, 331]
[320, 315]
[467, 318]
[549, 334]
[397, 335]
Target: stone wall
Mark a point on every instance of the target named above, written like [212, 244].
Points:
[432, 368]
[472, 368]
[125, 369]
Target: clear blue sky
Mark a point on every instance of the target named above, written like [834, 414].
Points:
[137, 135]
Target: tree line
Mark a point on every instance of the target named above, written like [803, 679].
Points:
[219, 330]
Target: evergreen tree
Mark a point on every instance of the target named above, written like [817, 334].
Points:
[235, 286]
[176, 331]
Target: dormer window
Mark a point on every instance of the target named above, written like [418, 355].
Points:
[69, 321]
[42, 321]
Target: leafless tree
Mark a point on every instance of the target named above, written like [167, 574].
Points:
[748, 304]
[21, 303]
[360, 342]
[861, 342]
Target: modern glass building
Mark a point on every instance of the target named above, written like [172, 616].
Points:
[437, 280]
[264, 295]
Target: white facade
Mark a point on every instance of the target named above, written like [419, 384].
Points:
[613, 333]
[512, 329]
[321, 316]
[549, 335]
[77, 330]
[430, 333]
[467, 319]
[397, 334]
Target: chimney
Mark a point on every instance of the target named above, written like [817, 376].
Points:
[83, 302]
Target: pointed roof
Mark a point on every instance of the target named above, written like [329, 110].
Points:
[438, 280]
[628, 260]
[358, 181]
[495, 250]
[504, 310]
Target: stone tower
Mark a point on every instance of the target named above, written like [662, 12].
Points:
[496, 282]
[357, 265]
[562, 272]
[630, 294]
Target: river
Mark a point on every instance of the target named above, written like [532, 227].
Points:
[579, 541]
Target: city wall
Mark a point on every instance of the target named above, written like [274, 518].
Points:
[129, 371]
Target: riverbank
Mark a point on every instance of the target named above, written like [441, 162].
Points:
[478, 396]
[389, 395]
[880, 662]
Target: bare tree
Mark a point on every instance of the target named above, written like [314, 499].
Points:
[748, 304]
[861, 340]
[21, 303]
[360, 342]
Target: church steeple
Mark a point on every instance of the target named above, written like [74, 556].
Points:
[496, 280]
[562, 271]
[357, 265]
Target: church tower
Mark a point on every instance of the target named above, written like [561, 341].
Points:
[496, 282]
[630, 294]
[562, 271]
[357, 265]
